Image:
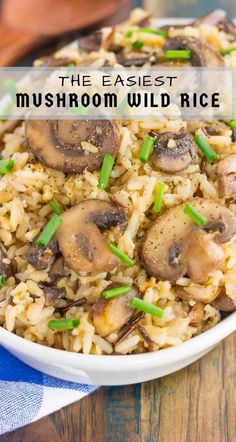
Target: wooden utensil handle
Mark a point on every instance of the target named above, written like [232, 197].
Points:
[13, 44]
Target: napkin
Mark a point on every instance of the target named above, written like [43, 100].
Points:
[26, 395]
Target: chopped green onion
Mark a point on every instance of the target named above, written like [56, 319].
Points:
[185, 54]
[196, 216]
[146, 307]
[48, 231]
[6, 166]
[107, 294]
[227, 51]
[2, 281]
[138, 44]
[105, 172]
[55, 207]
[10, 86]
[130, 262]
[63, 324]
[159, 191]
[205, 147]
[146, 148]
[233, 124]
[147, 31]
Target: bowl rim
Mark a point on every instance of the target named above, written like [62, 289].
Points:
[107, 363]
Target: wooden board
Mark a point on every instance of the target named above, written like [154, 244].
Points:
[196, 404]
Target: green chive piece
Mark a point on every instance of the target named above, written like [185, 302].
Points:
[130, 262]
[146, 148]
[63, 324]
[48, 231]
[106, 169]
[138, 44]
[146, 307]
[2, 281]
[80, 110]
[6, 166]
[205, 147]
[184, 54]
[147, 31]
[233, 124]
[159, 192]
[107, 294]
[227, 51]
[55, 207]
[10, 86]
[196, 216]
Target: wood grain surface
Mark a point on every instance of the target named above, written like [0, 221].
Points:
[196, 404]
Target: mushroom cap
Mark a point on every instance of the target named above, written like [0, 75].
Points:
[226, 170]
[202, 54]
[168, 251]
[111, 314]
[173, 151]
[80, 235]
[43, 257]
[57, 143]
[224, 303]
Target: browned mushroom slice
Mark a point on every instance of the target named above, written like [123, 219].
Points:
[202, 54]
[59, 144]
[111, 314]
[174, 246]
[224, 303]
[42, 258]
[91, 42]
[173, 151]
[50, 61]
[54, 296]
[57, 270]
[80, 235]
[227, 176]
[5, 264]
[136, 58]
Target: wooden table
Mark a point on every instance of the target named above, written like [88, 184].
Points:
[196, 404]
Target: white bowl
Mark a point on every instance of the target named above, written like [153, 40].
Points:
[116, 370]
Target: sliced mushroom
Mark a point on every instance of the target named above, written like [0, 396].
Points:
[136, 58]
[91, 42]
[42, 258]
[173, 151]
[58, 143]
[202, 54]
[5, 263]
[57, 271]
[54, 296]
[80, 235]
[111, 314]
[203, 255]
[166, 250]
[224, 303]
[50, 61]
[227, 176]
